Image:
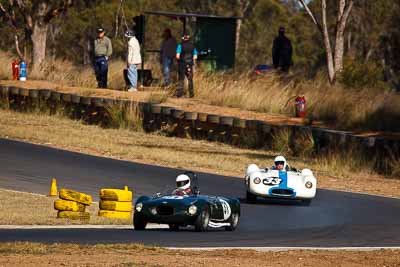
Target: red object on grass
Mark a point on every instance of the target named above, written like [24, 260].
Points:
[300, 106]
[15, 69]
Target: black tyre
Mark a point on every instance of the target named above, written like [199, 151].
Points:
[201, 223]
[173, 227]
[139, 223]
[250, 198]
[233, 222]
[306, 202]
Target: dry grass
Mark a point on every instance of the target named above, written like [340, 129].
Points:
[340, 107]
[35, 254]
[185, 153]
[126, 118]
[344, 108]
[19, 208]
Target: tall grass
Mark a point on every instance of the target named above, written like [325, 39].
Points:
[337, 106]
[344, 108]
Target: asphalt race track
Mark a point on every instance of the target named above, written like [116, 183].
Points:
[333, 219]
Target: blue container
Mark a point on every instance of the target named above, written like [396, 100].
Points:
[22, 71]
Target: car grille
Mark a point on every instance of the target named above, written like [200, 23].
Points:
[165, 210]
[282, 192]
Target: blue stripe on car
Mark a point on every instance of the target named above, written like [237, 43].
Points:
[283, 184]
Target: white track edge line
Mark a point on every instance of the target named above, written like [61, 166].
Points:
[78, 226]
[264, 249]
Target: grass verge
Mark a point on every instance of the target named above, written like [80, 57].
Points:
[335, 172]
[34, 254]
[20, 208]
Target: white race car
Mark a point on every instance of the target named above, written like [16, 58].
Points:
[270, 183]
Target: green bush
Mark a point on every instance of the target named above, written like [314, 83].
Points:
[360, 75]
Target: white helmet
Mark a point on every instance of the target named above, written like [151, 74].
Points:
[280, 159]
[182, 181]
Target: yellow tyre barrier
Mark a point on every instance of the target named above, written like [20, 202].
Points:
[75, 196]
[115, 205]
[74, 215]
[116, 195]
[115, 214]
[68, 205]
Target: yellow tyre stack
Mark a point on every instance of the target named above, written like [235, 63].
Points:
[115, 203]
[72, 205]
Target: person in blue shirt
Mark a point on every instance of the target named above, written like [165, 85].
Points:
[186, 55]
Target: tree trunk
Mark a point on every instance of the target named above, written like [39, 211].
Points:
[343, 14]
[39, 38]
[327, 44]
[39, 34]
[87, 52]
[238, 26]
[339, 51]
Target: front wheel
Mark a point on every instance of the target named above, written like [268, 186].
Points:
[201, 223]
[233, 222]
[139, 223]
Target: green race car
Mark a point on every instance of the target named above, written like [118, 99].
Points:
[201, 211]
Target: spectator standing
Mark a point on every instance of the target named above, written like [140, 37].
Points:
[133, 60]
[102, 52]
[167, 55]
[282, 51]
[186, 54]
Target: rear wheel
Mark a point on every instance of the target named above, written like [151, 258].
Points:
[233, 222]
[201, 223]
[139, 223]
[250, 198]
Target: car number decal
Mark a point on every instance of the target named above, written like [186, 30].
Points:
[272, 181]
[172, 197]
[226, 208]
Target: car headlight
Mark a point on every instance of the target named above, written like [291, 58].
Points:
[139, 207]
[153, 211]
[192, 210]
[257, 180]
[309, 184]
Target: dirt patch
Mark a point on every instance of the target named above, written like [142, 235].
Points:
[28, 254]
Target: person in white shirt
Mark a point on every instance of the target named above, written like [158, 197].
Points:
[133, 60]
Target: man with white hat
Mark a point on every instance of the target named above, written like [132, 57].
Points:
[133, 60]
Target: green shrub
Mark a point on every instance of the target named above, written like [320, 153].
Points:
[359, 75]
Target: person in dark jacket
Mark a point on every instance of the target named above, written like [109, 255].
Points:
[167, 55]
[102, 52]
[186, 54]
[282, 51]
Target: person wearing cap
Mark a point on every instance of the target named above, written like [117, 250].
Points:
[282, 51]
[167, 55]
[133, 60]
[102, 51]
[186, 54]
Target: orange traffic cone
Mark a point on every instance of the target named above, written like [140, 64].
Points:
[53, 188]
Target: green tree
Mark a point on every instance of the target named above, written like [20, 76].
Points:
[34, 16]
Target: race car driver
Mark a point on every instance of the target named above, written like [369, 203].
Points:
[182, 185]
[280, 164]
